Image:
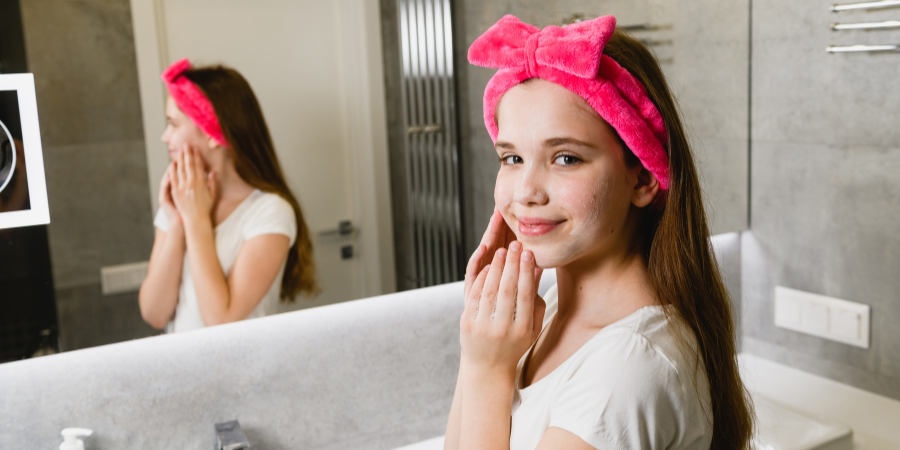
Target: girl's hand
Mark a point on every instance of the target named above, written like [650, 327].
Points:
[165, 198]
[503, 313]
[192, 191]
[498, 235]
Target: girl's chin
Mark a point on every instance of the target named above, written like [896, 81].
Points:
[546, 258]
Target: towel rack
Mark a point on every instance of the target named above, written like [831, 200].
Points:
[646, 27]
[866, 25]
[865, 5]
[862, 48]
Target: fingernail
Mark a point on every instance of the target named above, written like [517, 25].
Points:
[486, 268]
[527, 256]
[515, 246]
[501, 252]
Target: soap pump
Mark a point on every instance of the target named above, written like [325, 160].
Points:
[72, 441]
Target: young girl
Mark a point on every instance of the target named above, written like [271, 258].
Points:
[230, 236]
[635, 346]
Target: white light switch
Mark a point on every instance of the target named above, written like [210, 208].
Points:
[123, 278]
[825, 317]
[845, 323]
[814, 317]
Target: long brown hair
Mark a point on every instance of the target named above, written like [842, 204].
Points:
[245, 129]
[674, 241]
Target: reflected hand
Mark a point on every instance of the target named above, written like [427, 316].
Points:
[503, 313]
[192, 190]
[165, 197]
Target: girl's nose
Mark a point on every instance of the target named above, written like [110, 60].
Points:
[530, 189]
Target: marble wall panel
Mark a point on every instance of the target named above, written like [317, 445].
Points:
[88, 318]
[82, 55]
[824, 191]
[824, 221]
[99, 209]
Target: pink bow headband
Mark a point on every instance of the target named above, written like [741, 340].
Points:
[573, 57]
[191, 100]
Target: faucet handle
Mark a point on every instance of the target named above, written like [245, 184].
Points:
[229, 436]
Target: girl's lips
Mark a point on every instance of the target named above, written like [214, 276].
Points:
[533, 226]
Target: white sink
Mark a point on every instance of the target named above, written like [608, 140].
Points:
[778, 428]
[782, 428]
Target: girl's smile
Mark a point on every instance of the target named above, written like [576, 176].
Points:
[536, 226]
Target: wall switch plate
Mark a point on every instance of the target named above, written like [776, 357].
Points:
[123, 278]
[821, 316]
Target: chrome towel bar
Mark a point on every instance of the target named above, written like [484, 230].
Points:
[866, 25]
[865, 5]
[862, 48]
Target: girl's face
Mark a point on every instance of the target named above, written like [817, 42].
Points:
[563, 186]
[180, 130]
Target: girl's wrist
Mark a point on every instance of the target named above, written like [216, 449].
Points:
[482, 375]
[197, 226]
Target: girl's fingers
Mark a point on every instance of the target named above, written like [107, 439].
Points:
[473, 268]
[179, 170]
[211, 184]
[199, 167]
[526, 293]
[188, 165]
[506, 296]
[473, 300]
[492, 236]
[491, 286]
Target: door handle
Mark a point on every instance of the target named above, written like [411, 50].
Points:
[344, 228]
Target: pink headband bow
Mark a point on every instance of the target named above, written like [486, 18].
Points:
[191, 101]
[573, 57]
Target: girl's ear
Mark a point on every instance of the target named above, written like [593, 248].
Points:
[645, 189]
[212, 143]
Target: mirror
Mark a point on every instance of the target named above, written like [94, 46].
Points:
[327, 78]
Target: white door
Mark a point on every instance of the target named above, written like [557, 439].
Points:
[315, 66]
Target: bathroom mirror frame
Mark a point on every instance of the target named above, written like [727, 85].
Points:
[39, 214]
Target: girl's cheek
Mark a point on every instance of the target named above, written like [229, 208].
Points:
[504, 192]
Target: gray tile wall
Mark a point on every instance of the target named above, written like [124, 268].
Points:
[824, 195]
[82, 56]
[707, 67]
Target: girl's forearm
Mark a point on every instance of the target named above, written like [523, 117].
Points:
[487, 397]
[451, 436]
[210, 283]
[158, 296]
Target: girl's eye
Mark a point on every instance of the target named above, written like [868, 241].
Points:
[511, 159]
[566, 160]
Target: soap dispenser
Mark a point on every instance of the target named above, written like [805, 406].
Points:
[72, 441]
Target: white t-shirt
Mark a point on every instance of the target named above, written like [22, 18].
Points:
[260, 213]
[629, 387]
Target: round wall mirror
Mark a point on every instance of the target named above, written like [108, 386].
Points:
[7, 156]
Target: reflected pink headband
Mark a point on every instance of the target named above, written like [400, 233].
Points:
[573, 57]
[191, 101]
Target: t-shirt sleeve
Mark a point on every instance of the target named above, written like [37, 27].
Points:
[271, 215]
[623, 396]
[161, 221]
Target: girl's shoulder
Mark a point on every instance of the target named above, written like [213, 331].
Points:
[268, 213]
[267, 200]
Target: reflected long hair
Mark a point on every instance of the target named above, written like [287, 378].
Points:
[248, 135]
[674, 242]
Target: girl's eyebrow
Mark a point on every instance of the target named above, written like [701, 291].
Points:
[556, 142]
[504, 144]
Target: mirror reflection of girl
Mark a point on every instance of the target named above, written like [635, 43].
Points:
[634, 348]
[230, 235]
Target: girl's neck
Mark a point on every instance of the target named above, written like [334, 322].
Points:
[605, 290]
[231, 187]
